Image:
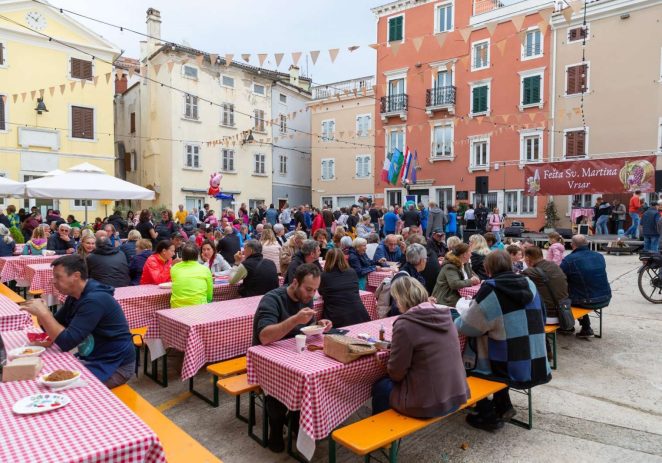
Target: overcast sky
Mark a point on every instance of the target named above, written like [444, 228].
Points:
[250, 26]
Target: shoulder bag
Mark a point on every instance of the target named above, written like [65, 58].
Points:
[563, 307]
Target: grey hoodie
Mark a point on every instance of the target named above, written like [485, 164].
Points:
[437, 218]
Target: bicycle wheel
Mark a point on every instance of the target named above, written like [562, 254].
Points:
[650, 285]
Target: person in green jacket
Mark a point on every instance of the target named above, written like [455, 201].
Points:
[192, 283]
[455, 273]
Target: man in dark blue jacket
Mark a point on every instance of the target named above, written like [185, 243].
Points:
[61, 242]
[388, 251]
[90, 319]
[649, 227]
[588, 285]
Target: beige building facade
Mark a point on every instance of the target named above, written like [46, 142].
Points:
[614, 64]
[343, 170]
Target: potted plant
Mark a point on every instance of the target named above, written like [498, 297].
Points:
[551, 216]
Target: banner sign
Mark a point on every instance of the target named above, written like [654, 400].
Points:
[591, 176]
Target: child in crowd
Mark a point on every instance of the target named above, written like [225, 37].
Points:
[556, 248]
[516, 256]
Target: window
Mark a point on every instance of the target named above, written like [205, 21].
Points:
[3, 115]
[576, 79]
[130, 161]
[577, 33]
[227, 118]
[444, 17]
[363, 125]
[82, 122]
[531, 94]
[583, 200]
[489, 200]
[259, 163]
[527, 204]
[532, 47]
[82, 203]
[480, 55]
[327, 201]
[510, 202]
[283, 98]
[282, 164]
[283, 123]
[190, 72]
[191, 107]
[480, 95]
[192, 156]
[396, 26]
[227, 81]
[394, 197]
[328, 169]
[81, 69]
[258, 116]
[3, 54]
[531, 149]
[516, 203]
[259, 89]
[227, 160]
[363, 167]
[395, 139]
[133, 122]
[480, 153]
[575, 143]
[442, 141]
[328, 130]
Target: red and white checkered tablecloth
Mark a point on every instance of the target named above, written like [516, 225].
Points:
[95, 427]
[40, 277]
[469, 292]
[326, 391]
[218, 331]
[13, 268]
[11, 317]
[375, 278]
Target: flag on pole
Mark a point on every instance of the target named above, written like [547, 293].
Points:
[396, 166]
[406, 164]
[413, 167]
[385, 169]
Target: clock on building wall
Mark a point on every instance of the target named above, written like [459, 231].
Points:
[35, 20]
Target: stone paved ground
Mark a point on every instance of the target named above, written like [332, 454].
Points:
[603, 404]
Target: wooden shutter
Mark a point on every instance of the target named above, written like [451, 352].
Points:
[2, 53]
[580, 143]
[133, 122]
[81, 69]
[395, 29]
[127, 161]
[82, 122]
[570, 146]
[571, 80]
[2, 112]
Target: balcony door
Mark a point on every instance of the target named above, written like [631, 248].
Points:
[444, 79]
[396, 87]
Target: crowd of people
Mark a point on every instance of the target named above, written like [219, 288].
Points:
[333, 252]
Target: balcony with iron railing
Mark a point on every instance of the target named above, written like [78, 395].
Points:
[344, 87]
[484, 11]
[394, 105]
[439, 99]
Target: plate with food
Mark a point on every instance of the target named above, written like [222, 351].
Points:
[39, 403]
[312, 330]
[38, 337]
[26, 351]
[60, 378]
[166, 285]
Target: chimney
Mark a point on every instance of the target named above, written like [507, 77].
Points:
[294, 75]
[121, 83]
[153, 28]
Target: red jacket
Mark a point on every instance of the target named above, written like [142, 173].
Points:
[155, 271]
[318, 222]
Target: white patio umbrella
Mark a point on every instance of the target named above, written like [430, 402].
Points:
[85, 181]
[10, 187]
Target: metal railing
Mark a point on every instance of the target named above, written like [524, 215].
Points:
[440, 96]
[394, 103]
[343, 87]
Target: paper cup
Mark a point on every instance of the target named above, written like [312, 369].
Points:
[301, 342]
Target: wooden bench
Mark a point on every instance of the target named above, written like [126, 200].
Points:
[11, 295]
[235, 366]
[138, 337]
[387, 428]
[578, 313]
[551, 331]
[237, 386]
[177, 444]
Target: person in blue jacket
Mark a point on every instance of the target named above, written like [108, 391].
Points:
[388, 251]
[91, 320]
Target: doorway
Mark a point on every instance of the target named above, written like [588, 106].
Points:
[42, 204]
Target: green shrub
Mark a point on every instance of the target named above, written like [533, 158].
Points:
[17, 235]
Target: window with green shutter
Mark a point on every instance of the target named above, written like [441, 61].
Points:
[395, 27]
[479, 99]
[531, 90]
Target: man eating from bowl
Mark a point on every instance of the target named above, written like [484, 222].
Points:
[90, 319]
[281, 314]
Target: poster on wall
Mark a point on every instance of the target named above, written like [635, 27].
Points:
[621, 175]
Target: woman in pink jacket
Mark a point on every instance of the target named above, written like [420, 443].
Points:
[556, 248]
[495, 224]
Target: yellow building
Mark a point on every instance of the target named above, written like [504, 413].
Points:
[71, 76]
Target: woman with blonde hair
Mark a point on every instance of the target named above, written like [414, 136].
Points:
[270, 247]
[455, 274]
[337, 236]
[339, 287]
[87, 245]
[288, 251]
[37, 244]
[452, 241]
[426, 376]
[479, 249]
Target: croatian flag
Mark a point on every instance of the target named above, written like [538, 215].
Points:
[407, 164]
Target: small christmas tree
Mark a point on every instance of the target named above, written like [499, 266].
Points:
[551, 215]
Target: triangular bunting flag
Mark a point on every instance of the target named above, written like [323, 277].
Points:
[417, 41]
[51, 90]
[261, 57]
[33, 93]
[395, 47]
[131, 72]
[374, 46]
[228, 59]
[532, 116]
[170, 65]
[353, 48]
[296, 56]
[546, 14]
[491, 27]
[199, 59]
[441, 39]
[576, 5]
[14, 97]
[246, 57]
[409, 128]
[543, 25]
[279, 58]
[567, 14]
[420, 128]
[465, 33]
[157, 68]
[333, 54]
[95, 80]
[501, 46]
[504, 118]
[72, 85]
[480, 119]
[63, 86]
[518, 21]
[314, 54]
[522, 37]
[41, 92]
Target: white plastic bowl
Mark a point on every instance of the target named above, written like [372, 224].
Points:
[312, 330]
[66, 382]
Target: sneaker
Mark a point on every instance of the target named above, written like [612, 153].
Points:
[566, 332]
[508, 415]
[585, 333]
[484, 423]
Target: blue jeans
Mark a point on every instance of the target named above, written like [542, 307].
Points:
[633, 231]
[381, 393]
[652, 243]
[601, 225]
